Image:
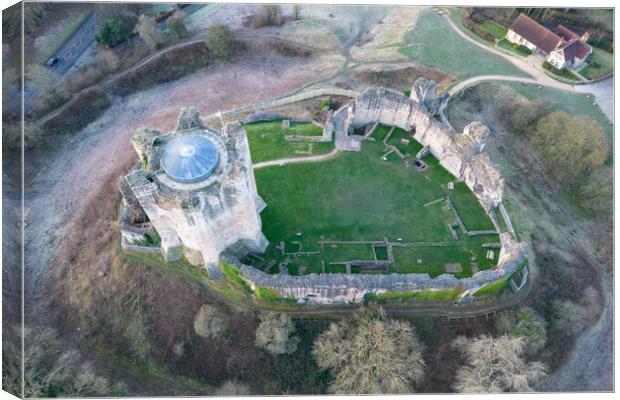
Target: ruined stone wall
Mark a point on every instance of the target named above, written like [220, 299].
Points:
[460, 153]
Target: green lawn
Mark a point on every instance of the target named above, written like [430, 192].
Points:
[411, 148]
[434, 43]
[267, 140]
[494, 29]
[356, 196]
[601, 61]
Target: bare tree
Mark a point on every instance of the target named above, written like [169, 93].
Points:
[210, 321]
[495, 365]
[371, 354]
[47, 373]
[275, 333]
[148, 31]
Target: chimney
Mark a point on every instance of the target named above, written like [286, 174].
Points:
[585, 37]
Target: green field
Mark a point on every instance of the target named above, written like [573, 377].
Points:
[434, 43]
[357, 196]
[603, 62]
[494, 29]
[267, 140]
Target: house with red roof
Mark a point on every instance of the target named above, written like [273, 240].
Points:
[561, 47]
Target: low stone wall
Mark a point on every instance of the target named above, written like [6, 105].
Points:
[143, 249]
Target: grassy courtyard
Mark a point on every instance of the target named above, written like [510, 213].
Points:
[268, 140]
[434, 43]
[357, 196]
[600, 62]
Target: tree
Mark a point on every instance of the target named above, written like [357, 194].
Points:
[371, 354]
[113, 31]
[597, 192]
[210, 322]
[232, 388]
[47, 372]
[221, 41]
[570, 145]
[297, 11]
[176, 24]
[148, 31]
[275, 333]
[495, 365]
[527, 324]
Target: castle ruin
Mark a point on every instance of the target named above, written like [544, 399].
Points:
[195, 186]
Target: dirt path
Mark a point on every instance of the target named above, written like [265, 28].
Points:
[295, 160]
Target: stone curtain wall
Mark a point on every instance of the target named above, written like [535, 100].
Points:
[351, 288]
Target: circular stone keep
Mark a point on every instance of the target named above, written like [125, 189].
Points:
[189, 159]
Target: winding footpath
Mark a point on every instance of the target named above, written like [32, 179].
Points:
[294, 160]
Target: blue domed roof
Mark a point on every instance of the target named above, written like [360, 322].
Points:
[190, 158]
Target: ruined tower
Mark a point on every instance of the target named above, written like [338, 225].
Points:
[197, 187]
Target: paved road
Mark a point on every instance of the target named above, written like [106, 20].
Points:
[603, 91]
[73, 48]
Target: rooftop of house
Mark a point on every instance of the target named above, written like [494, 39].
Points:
[546, 40]
[535, 33]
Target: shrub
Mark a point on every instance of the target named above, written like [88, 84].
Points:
[275, 333]
[113, 31]
[210, 322]
[221, 41]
